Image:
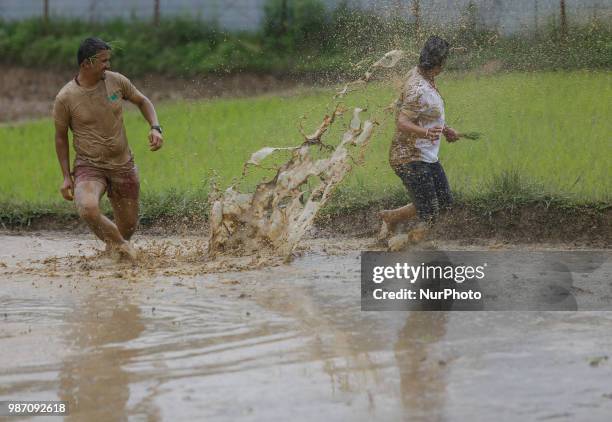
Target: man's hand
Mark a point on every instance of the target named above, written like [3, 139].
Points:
[451, 134]
[67, 189]
[155, 140]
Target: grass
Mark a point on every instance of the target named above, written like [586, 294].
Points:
[544, 135]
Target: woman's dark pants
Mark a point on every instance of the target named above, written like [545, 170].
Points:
[428, 187]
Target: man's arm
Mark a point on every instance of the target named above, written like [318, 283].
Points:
[148, 112]
[62, 148]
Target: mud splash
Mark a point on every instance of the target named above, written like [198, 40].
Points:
[174, 257]
[64, 256]
[278, 213]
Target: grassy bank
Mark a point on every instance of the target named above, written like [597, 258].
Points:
[545, 140]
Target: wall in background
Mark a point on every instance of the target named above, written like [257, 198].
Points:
[507, 16]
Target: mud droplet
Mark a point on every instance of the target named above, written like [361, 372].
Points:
[598, 360]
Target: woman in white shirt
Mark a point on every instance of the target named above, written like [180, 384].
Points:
[414, 151]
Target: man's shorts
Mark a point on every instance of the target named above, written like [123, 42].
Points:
[119, 183]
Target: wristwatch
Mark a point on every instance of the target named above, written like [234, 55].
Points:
[157, 128]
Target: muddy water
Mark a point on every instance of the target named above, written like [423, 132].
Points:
[280, 342]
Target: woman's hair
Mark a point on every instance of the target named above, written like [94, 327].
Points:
[434, 53]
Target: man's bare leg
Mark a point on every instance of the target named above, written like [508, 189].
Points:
[125, 211]
[393, 217]
[87, 196]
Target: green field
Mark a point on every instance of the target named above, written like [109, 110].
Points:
[551, 131]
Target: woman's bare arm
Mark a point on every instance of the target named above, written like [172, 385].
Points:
[405, 125]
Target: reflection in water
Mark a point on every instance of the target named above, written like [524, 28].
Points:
[94, 380]
[352, 359]
[422, 378]
[346, 360]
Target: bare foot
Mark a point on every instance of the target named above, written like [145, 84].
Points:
[128, 251]
[389, 225]
[417, 234]
[383, 233]
[385, 215]
[398, 242]
[108, 249]
[111, 252]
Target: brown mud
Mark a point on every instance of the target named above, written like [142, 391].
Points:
[167, 340]
[27, 93]
[64, 255]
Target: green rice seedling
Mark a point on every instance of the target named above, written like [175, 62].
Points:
[471, 135]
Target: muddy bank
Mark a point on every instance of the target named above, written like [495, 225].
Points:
[588, 226]
[582, 225]
[36, 89]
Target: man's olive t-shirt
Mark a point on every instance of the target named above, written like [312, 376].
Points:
[95, 116]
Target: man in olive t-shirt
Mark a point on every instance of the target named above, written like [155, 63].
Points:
[90, 106]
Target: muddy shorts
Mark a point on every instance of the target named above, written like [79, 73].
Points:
[427, 185]
[119, 183]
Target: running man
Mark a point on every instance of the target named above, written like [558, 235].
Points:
[90, 105]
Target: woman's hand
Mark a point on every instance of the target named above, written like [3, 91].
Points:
[451, 134]
[405, 125]
[432, 133]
